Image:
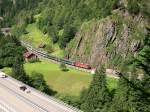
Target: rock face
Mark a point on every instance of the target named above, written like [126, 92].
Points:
[108, 41]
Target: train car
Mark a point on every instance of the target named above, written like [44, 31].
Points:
[68, 62]
[82, 65]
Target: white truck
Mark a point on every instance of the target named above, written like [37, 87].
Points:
[2, 75]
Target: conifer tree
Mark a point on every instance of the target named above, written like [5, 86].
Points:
[133, 94]
[18, 71]
[38, 82]
[97, 95]
[129, 97]
[143, 62]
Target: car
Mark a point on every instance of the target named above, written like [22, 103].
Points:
[2, 75]
[25, 89]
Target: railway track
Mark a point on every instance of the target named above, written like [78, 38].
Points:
[55, 59]
[45, 55]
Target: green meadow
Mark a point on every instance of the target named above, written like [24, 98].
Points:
[68, 83]
[35, 37]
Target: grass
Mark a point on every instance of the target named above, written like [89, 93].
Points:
[65, 83]
[70, 82]
[112, 83]
[6, 70]
[35, 37]
[57, 51]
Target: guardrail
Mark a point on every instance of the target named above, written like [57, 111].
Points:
[6, 108]
[61, 103]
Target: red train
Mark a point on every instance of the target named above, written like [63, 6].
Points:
[82, 65]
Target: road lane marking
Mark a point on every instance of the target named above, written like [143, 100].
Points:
[25, 99]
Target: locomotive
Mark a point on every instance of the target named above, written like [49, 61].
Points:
[76, 64]
[82, 65]
[66, 61]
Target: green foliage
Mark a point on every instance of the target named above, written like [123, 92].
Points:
[139, 6]
[133, 6]
[69, 15]
[9, 50]
[88, 49]
[119, 24]
[68, 34]
[142, 60]
[49, 48]
[133, 94]
[63, 67]
[145, 8]
[127, 98]
[97, 95]
[71, 100]
[83, 96]
[33, 60]
[18, 30]
[18, 71]
[11, 55]
[10, 8]
[117, 60]
[22, 19]
[53, 32]
[37, 81]
[60, 80]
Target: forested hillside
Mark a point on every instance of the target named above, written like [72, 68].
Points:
[106, 34]
[61, 19]
[113, 39]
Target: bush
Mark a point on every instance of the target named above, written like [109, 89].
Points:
[38, 82]
[68, 34]
[70, 100]
[49, 48]
[133, 6]
[63, 67]
[52, 31]
[34, 60]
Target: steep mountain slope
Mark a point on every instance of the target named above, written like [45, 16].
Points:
[110, 40]
[108, 31]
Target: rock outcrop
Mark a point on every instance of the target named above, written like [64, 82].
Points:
[108, 41]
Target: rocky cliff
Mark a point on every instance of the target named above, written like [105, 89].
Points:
[108, 41]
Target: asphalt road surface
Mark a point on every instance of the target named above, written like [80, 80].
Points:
[17, 100]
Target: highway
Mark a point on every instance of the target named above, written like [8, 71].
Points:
[16, 100]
